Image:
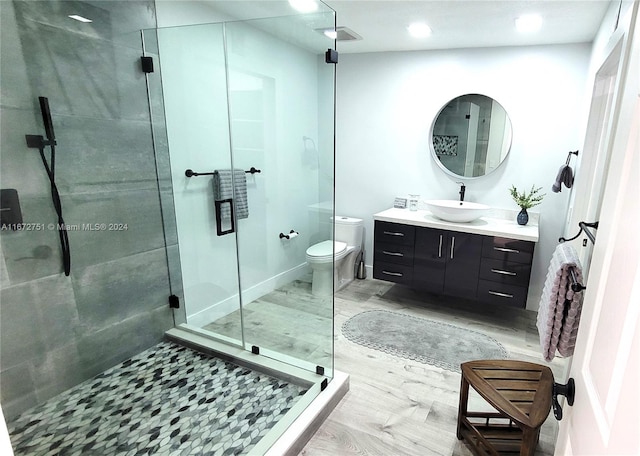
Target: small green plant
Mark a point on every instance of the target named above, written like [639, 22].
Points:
[527, 200]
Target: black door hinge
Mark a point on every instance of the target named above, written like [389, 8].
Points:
[174, 302]
[147, 64]
[331, 56]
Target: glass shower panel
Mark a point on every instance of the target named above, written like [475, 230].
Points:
[192, 63]
[281, 105]
[240, 96]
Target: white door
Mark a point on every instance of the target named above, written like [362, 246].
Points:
[604, 419]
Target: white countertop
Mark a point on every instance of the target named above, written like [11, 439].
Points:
[488, 226]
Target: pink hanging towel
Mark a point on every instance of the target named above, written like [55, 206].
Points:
[560, 307]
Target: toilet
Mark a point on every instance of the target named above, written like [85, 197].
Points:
[347, 244]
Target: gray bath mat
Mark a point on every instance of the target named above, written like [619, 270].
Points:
[422, 340]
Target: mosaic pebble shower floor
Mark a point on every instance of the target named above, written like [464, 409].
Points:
[168, 400]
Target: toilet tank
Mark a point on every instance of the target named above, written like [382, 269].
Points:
[349, 230]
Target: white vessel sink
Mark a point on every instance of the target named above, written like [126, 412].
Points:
[457, 211]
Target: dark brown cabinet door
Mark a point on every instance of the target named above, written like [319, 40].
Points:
[429, 259]
[447, 262]
[463, 264]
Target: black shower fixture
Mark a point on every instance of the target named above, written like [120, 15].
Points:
[38, 142]
[46, 119]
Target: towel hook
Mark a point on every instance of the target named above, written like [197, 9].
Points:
[575, 152]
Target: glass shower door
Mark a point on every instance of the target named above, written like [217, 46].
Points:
[242, 96]
[281, 105]
[194, 94]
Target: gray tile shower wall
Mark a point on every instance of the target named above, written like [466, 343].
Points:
[58, 331]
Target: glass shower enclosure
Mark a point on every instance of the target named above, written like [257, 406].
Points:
[249, 108]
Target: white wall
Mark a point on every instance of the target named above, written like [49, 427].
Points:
[387, 102]
[172, 13]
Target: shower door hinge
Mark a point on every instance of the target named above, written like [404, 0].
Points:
[255, 349]
[319, 370]
[174, 302]
[323, 384]
[331, 56]
[147, 64]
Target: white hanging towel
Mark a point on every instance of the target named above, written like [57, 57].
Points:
[560, 306]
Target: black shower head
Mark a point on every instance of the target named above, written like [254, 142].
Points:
[46, 118]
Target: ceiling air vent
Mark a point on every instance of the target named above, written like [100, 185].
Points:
[346, 34]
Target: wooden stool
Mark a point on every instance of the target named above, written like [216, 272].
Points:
[519, 391]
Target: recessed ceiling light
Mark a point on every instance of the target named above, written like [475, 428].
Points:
[331, 33]
[419, 30]
[79, 18]
[339, 33]
[304, 6]
[529, 23]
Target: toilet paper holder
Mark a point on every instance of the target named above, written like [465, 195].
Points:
[292, 234]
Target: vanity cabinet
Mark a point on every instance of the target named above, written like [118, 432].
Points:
[505, 270]
[393, 252]
[471, 266]
[447, 262]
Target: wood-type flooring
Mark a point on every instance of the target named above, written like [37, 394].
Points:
[402, 407]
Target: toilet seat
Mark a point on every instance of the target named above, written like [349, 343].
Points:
[324, 251]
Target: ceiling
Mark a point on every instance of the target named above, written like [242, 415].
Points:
[464, 23]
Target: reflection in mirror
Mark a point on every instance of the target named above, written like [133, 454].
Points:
[471, 136]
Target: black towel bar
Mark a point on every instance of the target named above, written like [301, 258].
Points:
[575, 285]
[584, 227]
[191, 173]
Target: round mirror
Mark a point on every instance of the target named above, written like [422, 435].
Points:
[471, 136]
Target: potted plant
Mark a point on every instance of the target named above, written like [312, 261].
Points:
[526, 200]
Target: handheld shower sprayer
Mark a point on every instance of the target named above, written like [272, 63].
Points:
[46, 119]
[38, 142]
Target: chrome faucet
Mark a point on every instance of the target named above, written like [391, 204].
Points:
[462, 190]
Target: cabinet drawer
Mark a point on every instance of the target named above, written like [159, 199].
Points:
[391, 272]
[506, 249]
[496, 293]
[393, 253]
[505, 272]
[394, 233]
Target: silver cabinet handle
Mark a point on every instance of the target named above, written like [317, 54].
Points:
[453, 244]
[440, 248]
[502, 295]
[499, 271]
[391, 233]
[502, 249]
[397, 274]
[393, 253]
